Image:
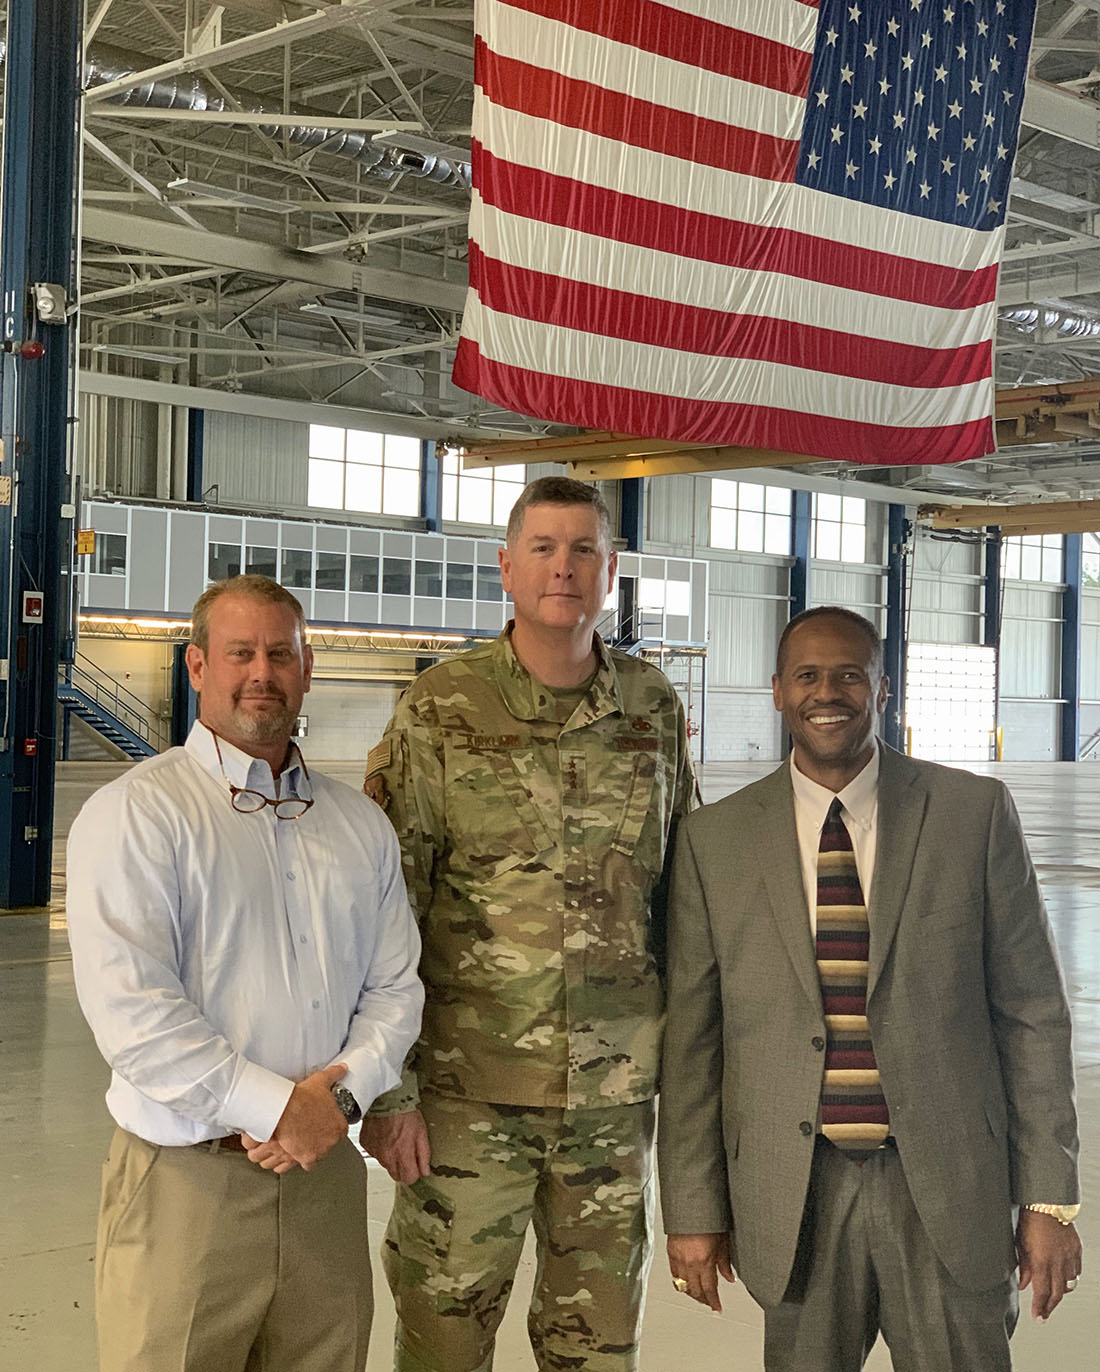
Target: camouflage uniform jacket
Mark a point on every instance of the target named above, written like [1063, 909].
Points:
[534, 855]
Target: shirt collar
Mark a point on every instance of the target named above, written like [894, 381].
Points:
[858, 799]
[521, 691]
[243, 770]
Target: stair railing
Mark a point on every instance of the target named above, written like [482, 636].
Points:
[114, 699]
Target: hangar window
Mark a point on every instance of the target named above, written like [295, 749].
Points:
[331, 572]
[840, 528]
[396, 576]
[351, 469]
[262, 562]
[109, 558]
[484, 496]
[364, 574]
[1090, 559]
[460, 581]
[749, 517]
[1032, 557]
[297, 567]
[223, 560]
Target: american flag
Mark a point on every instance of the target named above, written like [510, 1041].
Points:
[771, 223]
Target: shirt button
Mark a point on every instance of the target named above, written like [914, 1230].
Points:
[301, 938]
[317, 1005]
[817, 1041]
[291, 877]
[805, 1128]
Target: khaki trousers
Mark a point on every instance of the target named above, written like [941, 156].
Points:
[207, 1263]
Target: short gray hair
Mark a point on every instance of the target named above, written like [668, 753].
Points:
[256, 588]
[558, 490]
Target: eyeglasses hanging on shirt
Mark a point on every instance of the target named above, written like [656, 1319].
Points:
[249, 802]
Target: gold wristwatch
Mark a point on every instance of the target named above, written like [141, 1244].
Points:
[1064, 1214]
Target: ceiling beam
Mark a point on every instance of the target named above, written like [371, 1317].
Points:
[291, 411]
[264, 259]
[1062, 516]
[686, 462]
[1062, 113]
[281, 35]
[261, 118]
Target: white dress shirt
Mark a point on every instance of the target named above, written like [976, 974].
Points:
[859, 810]
[221, 957]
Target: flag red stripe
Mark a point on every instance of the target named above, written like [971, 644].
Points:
[609, 114]
[540, 195]
[661, 323]
[620, 410]
[684, 37]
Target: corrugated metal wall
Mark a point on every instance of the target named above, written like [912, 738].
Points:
[945, 591]
[258, 463]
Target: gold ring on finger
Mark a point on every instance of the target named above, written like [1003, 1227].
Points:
[680, 1283]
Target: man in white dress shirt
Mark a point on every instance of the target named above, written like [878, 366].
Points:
[246, 958]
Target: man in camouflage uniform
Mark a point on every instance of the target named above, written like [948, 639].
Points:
[535, 784]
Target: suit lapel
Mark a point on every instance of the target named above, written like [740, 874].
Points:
[901, 802]
[777, 845]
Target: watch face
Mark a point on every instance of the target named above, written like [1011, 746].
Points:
[347, 1104]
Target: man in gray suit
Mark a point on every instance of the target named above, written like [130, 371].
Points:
[858, 1094]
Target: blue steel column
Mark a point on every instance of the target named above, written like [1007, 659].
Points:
[36, 244]
[431, 488]
[801, 516]
[1071, 648]
[894, 646]
[991, 612]
[991, 599]
[632, 512]
[196, 440]
[184, 700]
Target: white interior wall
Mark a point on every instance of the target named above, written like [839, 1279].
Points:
[142, 668]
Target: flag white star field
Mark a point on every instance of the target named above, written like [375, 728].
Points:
[764, 223]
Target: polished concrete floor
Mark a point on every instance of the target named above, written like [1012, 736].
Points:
[54, 1127]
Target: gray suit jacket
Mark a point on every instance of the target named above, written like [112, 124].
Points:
[966, 1005]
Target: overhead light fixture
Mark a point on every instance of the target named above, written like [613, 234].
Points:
[427, 147]
[230, 195]
[335, 312]
[350, 316]
[127, 620]
[171, 360]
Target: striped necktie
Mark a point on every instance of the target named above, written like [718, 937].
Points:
[853, 1108]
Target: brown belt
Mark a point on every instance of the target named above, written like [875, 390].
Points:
[230, 1144]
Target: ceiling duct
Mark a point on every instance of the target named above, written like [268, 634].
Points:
[188, 91]
[1066, 323]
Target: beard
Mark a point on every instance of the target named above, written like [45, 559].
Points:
[265, 728]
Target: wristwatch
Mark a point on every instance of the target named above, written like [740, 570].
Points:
[1064, 1214]
[346, 1104]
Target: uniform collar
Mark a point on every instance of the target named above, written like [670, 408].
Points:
[858, 799]
[243, 770]
[526, 698]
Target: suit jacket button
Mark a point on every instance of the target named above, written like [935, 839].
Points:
[818, 1042]
[806, 1128]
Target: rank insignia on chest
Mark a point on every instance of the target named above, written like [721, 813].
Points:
[641, 725]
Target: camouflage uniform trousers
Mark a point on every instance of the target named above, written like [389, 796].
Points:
[585, 1178]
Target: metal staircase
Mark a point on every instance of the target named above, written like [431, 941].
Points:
[119, 716]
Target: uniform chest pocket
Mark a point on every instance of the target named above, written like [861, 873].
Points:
[643, 796]
[494, 823]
